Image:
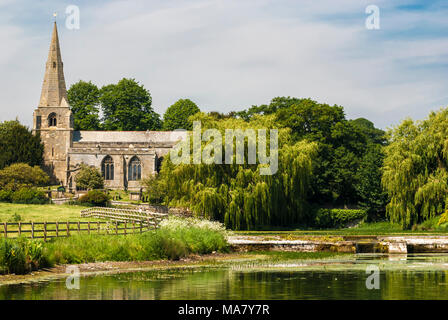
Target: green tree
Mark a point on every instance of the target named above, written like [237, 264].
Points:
[237, 194]
[342, 145]
[176, 116]
[84, 98]
[22, 175]
[89, 178]
[415, 169]
[127, 106]
[18, 144]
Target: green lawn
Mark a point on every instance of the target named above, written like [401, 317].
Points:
[41, 213]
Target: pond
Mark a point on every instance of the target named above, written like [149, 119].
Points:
[419, 276]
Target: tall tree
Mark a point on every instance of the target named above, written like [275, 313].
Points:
[18, 144]
[84, 98]
[127, 106]
[342, 144]
[415, 169]
[176, 116]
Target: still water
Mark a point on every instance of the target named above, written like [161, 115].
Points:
[400, 277]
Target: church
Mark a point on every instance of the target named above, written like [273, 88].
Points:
[123, 157]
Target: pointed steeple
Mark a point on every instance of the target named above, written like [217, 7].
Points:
[54, 92]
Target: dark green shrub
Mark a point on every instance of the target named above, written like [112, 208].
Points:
[335, 218]
[95, 198]
[29, 196]
[5, 195]
[12, 257]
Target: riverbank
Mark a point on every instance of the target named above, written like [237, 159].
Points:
[192, 261]
[342, 243]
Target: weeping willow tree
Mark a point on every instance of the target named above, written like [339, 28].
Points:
[237, 194]
[415, 169]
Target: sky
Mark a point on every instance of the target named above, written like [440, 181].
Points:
[228, 55]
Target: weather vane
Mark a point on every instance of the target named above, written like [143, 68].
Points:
[55, 15]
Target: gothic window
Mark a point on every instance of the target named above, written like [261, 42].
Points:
[54, 65]
[159, 164]
[38, 122]
[134, 169]
[107, 168]
[52, 120]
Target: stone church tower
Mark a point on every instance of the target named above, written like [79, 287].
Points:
[53, 118]
[124, 158]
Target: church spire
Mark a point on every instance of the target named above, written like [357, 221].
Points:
[54, 92]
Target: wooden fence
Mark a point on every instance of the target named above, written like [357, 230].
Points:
[147, 218]
[48, 230]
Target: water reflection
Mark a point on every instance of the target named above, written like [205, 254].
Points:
[401, 277]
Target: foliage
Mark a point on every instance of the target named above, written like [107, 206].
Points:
[18, 144]
[29, 196]
[237, 194]
[21, 175]
[83, 98]
[21, 255]
[336, 218]
[342, 147]
[176, 116]
[95, 198]
[89, 178]
[155, 189]
[368, 187]
[415, 175]
[5, 195]
[163, 243]
[127, 106]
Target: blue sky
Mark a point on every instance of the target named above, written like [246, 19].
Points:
[230, 54]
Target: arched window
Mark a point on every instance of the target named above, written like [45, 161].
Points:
[134, 169]
[107, 168]
[52, 120]
[159, 164]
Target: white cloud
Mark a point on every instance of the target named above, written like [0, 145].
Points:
[229, 55]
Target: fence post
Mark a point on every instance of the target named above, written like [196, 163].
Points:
[98, 229]
[20, 229]
[57, 229]
[79, 228]
[116, 228]
[141, 224]
[45, 231]
[125, 227]
[68, 229]
[5, 226]
[133, 227]
[32, 230]
[88, 227]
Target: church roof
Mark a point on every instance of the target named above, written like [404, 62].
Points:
[54, 92]
[129, 136]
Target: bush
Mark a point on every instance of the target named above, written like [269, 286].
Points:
[95, 198]
[21, 256]
[5, 195]
[89, 178]
[29, 196]
[335, 218]
[21, 175]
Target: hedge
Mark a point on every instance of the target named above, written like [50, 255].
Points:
[336, 218]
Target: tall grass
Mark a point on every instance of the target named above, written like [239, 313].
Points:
[165, 243]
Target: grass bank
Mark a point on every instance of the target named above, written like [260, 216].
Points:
[41, 213]
[175, 239]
